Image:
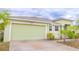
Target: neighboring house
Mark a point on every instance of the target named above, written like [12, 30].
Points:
[33, 28]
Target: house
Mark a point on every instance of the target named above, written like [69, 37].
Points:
[33, 28]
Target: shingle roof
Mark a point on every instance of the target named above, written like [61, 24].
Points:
[62, 19]
[24, 18]
[37, 18]
[31, 18]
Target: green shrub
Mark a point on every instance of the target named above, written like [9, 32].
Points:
[50, 36]
[68, 33]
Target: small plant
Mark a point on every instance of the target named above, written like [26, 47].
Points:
[50, 36]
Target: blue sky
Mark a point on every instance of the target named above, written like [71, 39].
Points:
[50, 13]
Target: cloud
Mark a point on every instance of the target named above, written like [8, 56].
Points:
[71, 13]
[50, 13]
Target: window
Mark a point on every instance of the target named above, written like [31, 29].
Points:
[56, 28]
[50, 28]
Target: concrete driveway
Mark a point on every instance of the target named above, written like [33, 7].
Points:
[40, 45]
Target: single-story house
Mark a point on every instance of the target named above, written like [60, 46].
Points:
[33, 28]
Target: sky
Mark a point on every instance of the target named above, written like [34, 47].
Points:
[50, 13]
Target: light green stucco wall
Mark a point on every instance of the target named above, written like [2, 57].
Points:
[7, 33]
[64, 22]
[27, 32]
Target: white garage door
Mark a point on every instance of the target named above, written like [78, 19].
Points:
[28, 32]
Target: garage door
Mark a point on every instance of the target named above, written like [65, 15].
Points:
[28, 32]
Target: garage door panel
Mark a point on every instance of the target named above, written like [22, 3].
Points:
[27, 32]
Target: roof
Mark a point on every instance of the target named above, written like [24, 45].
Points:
[37, 19]
[26, 18]
[31, 18]
[62, 19]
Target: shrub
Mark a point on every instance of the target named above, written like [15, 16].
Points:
[68, 33]
[50, 36]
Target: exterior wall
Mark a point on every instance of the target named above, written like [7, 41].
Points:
[62, 22]
[7, 32]
[56, 33]
[59, 23]
[8, 29]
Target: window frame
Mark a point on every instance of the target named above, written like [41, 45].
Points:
[56, 28]
[50, 27]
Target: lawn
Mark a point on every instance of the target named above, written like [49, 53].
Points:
[4, 46]
[72, 43]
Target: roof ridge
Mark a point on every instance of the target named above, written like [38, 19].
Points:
[62, 19]
[31, 17]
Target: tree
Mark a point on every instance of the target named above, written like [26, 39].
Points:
[68, 33]
[77, 28]
[72, 31]
[4, 17]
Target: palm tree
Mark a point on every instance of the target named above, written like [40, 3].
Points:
[4, 18]
[77, 28]
[77, 23]
[69, 32]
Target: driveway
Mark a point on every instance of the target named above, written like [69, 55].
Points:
[40, 45]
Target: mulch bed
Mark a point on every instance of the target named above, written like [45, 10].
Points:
[71, 43]
[4, 46]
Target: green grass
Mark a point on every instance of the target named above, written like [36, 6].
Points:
[4, 46]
